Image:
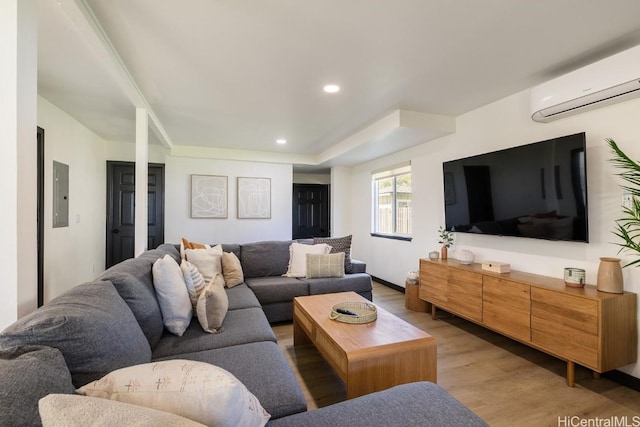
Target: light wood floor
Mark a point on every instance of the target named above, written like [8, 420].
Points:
[504, 382]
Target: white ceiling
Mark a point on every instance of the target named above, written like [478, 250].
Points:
[238, 74]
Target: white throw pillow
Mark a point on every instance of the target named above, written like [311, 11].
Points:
[207, 261]
[213, 304]
[298, 257]
[196, 390]
[64, 410]
[194, 281]
[172, 294]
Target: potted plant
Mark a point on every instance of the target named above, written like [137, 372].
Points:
[446, 240]
[628, 226]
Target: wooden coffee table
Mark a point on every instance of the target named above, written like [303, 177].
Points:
[368, 357]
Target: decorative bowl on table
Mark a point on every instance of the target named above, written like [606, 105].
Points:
[354, 312]
[574, 277]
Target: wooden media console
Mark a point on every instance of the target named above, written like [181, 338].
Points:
[594, 329]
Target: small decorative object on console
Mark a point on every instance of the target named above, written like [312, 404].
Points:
[496, 267]
[434, 255]
[574, 277]
[466, 257]
[610, 276]
[446, 240]
[354, 312]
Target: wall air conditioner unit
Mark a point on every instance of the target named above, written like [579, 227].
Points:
[610, 80]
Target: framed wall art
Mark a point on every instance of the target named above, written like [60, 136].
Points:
[254, 198]
[209, 196]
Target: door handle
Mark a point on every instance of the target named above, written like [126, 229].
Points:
[115, 231]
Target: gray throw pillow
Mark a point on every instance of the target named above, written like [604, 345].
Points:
[91, 325]
[28, 373]
[339, 244]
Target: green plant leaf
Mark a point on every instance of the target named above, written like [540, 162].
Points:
[628, 225]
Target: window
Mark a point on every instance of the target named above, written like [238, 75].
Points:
[392, 202]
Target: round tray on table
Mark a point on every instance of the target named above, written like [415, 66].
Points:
[364, 312]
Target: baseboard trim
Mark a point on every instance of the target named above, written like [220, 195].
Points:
[623, 378]
[388, 284]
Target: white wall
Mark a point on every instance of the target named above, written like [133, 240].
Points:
[341, 201]
[73, 254]
[126, 152]
[178, 223]
[503, 124]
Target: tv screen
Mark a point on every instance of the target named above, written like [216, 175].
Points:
[537, 190]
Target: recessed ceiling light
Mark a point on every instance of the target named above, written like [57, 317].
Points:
[331, 88]
[281, 141]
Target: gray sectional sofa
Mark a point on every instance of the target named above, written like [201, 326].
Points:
[115, 322]
[265, 263]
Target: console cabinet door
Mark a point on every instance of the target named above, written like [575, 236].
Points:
[506, 307]
[433, 283]
[566, 325]
[465, 294]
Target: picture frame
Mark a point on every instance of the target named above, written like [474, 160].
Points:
[209, 196]
[254, 198]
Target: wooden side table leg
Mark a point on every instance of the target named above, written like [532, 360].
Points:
[596, 375]
[571, 373]
[433, 311]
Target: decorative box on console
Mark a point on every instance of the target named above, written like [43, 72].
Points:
[496, 267]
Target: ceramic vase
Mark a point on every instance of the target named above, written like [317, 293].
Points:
[610, 276]
[443, 253]
[466, 257]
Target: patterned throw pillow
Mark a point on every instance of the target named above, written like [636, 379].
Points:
[64, 410]
[194, 281]
[339, 244]
[196, 390]
[325, 265]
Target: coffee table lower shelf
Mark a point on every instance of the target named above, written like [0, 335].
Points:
[368, 357]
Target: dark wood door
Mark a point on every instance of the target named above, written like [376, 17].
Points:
[310, 211]
[121, 210]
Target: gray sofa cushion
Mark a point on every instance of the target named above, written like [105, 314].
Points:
[133, 280]
[162, 250]
[409, 405]
[232, 247]
[240, 296]
[262, 368]
[92, 327]
[358, 282]
[269, 258]
[278, 288]
[358, 266]
[239, 327]
[28, 373]
[278, 311]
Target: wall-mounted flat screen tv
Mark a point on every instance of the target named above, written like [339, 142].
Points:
[537, 190]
